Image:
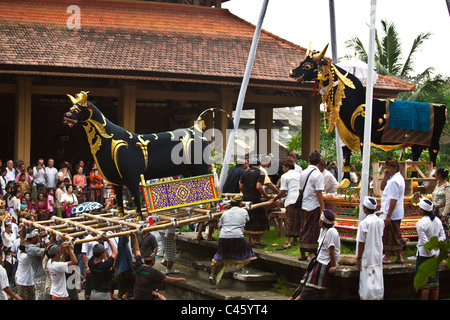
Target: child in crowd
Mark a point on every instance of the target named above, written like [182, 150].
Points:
[23, 183]
[51, 202]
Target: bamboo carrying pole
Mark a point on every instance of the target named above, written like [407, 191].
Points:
[79, 225]
[177, 218]
[48, 230]
[139, 227]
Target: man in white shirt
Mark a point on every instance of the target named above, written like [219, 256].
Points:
[291, 156]
[392, 206]
[370, 253]
[5, 290]
[329, 181]
[289, 187]
[58, 269]
[311, 185]
[51, 174]
[39, 173]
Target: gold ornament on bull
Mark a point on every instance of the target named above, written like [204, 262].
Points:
[81, 98]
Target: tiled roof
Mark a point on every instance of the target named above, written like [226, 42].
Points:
[147, 39]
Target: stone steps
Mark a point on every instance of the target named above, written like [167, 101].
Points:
[254, 280]
[197, 287]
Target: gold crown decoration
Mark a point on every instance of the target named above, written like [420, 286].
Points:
[314, 54]
[81, 98]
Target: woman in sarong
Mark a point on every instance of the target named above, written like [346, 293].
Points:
[233, 248]
[427, 227]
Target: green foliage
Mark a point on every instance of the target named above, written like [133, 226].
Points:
[388, 51]
[430, 266]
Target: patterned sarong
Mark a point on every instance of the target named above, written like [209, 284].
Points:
[235, 251]
[293, 222]
[258, 223]
[392, 237]
[309, 230]
[314, 283]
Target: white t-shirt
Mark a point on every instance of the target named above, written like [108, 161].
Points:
[4, 283]
[329, 181]
[426, 229]
[315, 183]
[10, 175]
[394, 190]
[8, 238]
[232, 223]
[24, 273]
[87, 247]
[331, 239]
[51, 175]
[39, 175]
[370, 231]
[57, 271]
[297, 168]
[290, 182]
[65, 197]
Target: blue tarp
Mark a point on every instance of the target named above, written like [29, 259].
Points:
[409, 115]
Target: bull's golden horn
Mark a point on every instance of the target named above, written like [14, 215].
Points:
[308, 52]
[319, 56]
[74, 101]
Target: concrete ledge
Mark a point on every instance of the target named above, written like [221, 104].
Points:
[344, 284]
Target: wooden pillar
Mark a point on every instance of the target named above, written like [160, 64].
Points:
[22, 139]
[263, 127]
[226, 104]
[127, 108]
[310, 127]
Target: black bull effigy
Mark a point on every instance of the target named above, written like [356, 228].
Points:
[345, 102]
[122, 156]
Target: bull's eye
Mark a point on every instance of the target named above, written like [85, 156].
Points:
[307, 66]
[75, 111]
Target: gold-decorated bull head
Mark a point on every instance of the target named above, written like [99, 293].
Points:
[308, 68]
[81, 110]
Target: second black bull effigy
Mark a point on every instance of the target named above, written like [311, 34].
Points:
[122, 156]
[344, 97]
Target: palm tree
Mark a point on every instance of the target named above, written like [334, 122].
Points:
[388, 53]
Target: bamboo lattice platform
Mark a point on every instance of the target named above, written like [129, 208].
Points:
[97, 224]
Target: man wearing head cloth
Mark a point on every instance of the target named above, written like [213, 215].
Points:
[370, 253]
[392, 206]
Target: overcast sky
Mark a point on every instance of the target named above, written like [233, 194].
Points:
[301, 22]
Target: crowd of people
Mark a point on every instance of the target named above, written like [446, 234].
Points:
[36, 265]
[41, 191]
[307, 221]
